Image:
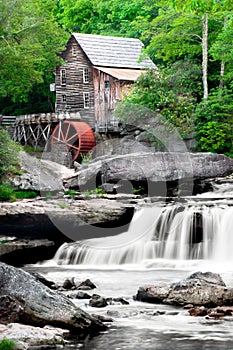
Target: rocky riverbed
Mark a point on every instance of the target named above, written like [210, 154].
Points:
[33, 229]
[126, 318]
[24, 299]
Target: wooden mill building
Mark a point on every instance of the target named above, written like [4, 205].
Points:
[98, 72]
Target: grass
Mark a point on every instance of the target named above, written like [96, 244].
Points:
[97, 192]
[71, 193]
[63, 205]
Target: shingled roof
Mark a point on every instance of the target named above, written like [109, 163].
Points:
[108, 51]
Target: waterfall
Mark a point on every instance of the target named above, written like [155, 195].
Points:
[178, 231]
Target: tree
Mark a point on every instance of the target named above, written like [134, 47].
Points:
[169, 94]
[106, 17]
[30, 39]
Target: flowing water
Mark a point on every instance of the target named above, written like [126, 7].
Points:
[163, 244]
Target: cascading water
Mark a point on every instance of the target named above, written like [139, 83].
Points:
[192, 231]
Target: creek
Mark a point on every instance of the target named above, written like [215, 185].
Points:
[164, 243]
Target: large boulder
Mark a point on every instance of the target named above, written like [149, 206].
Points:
[207, 289]
[28, 337]
[153, 167]
[40, 175]
[38, 305]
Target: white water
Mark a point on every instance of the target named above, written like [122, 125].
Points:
[162, 245]
[180, 232]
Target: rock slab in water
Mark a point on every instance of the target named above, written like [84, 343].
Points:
[207, 289]
[40, 305]
[154, 167]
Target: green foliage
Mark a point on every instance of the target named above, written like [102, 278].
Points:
[30, 149]
[96, 192]
[215, 137]
[168, 94]
[7, 344]
[7, 193]
[25, 194]
[9, 151]
[139, 190]
[30, 39]
[86, 158]
[71, 193]
[108, 17]
[214, 123]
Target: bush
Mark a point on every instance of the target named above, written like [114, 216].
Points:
[214, 123]
[25, 194]
[7, 344]
[7, 193]
[215, 137]
[9, 150]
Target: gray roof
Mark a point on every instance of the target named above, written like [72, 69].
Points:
[109, 51]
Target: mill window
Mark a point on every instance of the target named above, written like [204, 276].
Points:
[74, 51]
[63, 77]
[85, 75]
[63, 98]
[86, 100]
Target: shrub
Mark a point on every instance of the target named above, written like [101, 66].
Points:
[25, 194]
[7, 344]
[214, 123]
[6, 193]
[9, 150]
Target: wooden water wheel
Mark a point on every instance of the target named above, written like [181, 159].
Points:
[77, 136]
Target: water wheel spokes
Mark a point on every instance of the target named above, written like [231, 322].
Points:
[77, 137]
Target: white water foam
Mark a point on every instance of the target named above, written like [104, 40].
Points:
[174, 233]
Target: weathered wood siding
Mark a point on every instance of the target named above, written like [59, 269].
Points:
[70, 96]
[108, 92]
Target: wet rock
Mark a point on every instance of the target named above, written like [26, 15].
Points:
[41, 305]
[26, 336]
[113, 313]
[227, 310]
[188, 306]
[215, 314]
[79, 295]
[207, 289]
[97, 301]
[172, 313]
[198, 311]
[10, 309]
[86, 283]
[43, 280]
[69, 283]
[152, 294]
[104, 318]
[154, 167]
[40, 175]
[117, 301]
[208, 277]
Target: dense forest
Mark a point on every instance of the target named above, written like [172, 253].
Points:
[190, 41]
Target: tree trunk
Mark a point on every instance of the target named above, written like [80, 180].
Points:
[205, 54]
[222, 70]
